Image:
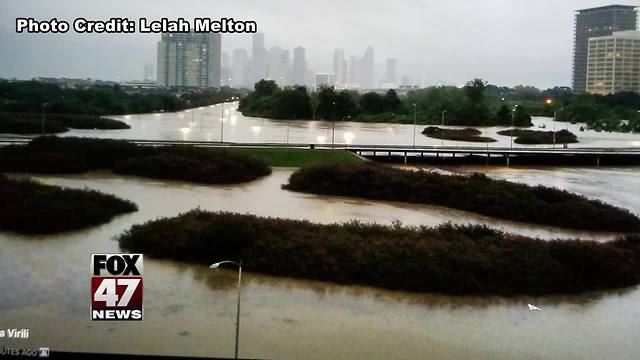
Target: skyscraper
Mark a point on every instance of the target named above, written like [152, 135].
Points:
[299, 71]
[390, 74]
[277, 66]
[367, 72]
[241, 69]
[600, 21]
[189, 60]
[258, 58]
[614, 63]
[225, 70]
[339, 68]
[354, 71]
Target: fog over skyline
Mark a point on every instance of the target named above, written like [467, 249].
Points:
[506, 42]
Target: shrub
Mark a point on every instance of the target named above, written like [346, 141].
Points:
[468, 134]
[31, 208]
[451, 259]
[533, 137]
[476, 193]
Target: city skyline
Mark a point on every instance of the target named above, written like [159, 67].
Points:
[427, 47]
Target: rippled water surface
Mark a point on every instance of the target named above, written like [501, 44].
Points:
[190, 310]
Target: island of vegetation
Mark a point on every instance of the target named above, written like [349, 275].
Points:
[475, 193]
[50, 154]
[448, 259]
[467, 135]
[533, 137]
[31, 123]
[28, 207]
[23, 102]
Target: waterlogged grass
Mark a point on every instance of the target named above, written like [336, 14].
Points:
[476, 193]
[77, 155]
[28, 207]
[448, 258]
[289, 157]
[31, 123]
[535, 137]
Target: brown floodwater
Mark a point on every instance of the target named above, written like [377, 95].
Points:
[190, 310]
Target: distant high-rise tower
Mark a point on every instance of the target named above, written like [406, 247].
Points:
[189, 60]
[354, 71]
[241, 69]
[148, 72]
[339, 68]
[277, 65]
[367, 72]
[594, 22]
[258, 58]
[390, 76]
[299, 71]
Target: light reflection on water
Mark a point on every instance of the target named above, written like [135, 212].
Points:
[191, 310]
[205, 125]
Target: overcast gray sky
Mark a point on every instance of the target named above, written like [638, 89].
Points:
[506, 42]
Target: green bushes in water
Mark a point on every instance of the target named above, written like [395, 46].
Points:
[468, 134]
[534, 137]
[476, 193]
[31, 208]
[448, 258]
[197, 165]
[77, 155]
[31, 123]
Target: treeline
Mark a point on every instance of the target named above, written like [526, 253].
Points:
[475, 193]
[70, 155]
[270, 100]
[448, 258]
[28, 207]
[29, 96]
[466, 106]
[613, 112]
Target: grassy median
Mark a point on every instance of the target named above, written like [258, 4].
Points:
[291, 157]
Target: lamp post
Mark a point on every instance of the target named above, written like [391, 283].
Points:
[513, 115]
[222, 121]
[333, 125]
[239, 264]
[415, 114]
[44, 106]
[442, 126]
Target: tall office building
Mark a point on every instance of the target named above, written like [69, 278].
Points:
[613, 63]
[299, 68]
[241, 69]
[594, 22]
[189, 60]
[390, 73]
[278, 65]
[258, 58]
[367, 72]
[339, 68]
[148, 72]
[354, 71]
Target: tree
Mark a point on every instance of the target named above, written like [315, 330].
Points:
[474, 90]
[392, 101]
[503, 117]
[265, 88]
[372, 103]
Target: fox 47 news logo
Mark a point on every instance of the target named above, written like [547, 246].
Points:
[116, 287]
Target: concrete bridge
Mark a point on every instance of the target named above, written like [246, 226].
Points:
[434, 154]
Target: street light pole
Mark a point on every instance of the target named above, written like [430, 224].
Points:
[44, 105]
[222, 122]
[415, 115]
[555, 113]
[333, 125]
[239, 264]
[513, 115]
[442, 126]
